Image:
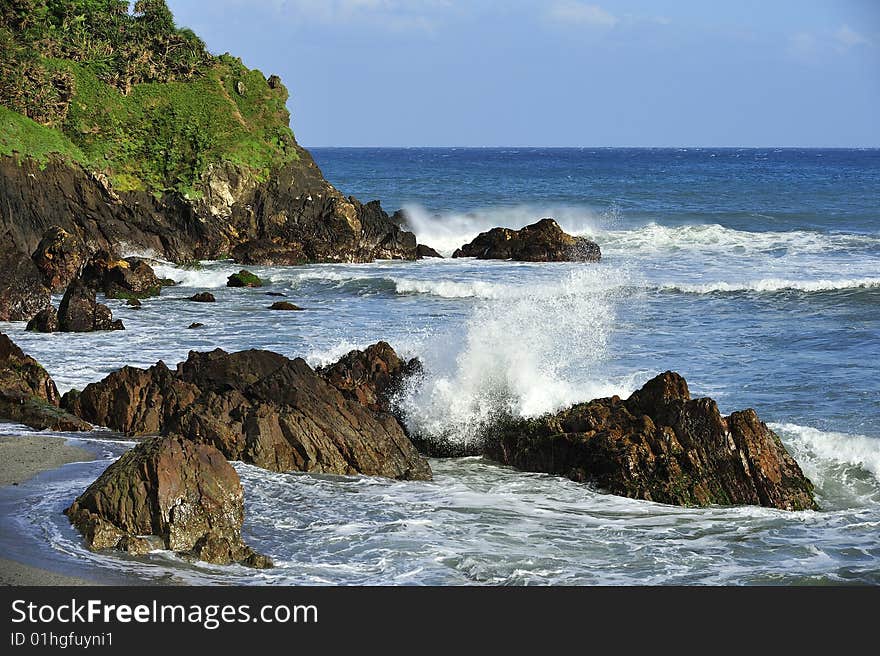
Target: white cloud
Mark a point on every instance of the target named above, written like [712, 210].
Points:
[847, 37]
[580, 13]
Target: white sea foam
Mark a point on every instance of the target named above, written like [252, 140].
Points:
[773, 285]
[210, 276]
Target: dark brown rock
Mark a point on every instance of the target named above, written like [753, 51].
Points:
[79, 312]
[423, 251]
[167, 493]
[203, 297]
[196, 324]
[255, 406]
[45, 321]
[543, 241]
[295, 208]
[22, 292]
[28, 394]
[121, 278]
[284, 305]
[659, 445]
[265, 252]
[59, 256]
[371, 377]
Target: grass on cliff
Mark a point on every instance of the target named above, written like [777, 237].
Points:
[19, 134]
[133, 96]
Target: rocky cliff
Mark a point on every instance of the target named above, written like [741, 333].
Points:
[137, 138]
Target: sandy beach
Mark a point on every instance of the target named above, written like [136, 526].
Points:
[22, 458]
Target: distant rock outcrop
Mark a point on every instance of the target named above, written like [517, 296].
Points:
[543, 241]
[423, 251]
[659, 445]
[255, 406]
[167, 493]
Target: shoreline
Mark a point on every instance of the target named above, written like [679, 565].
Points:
[22, 458]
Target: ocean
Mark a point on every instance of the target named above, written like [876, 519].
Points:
[754, 273]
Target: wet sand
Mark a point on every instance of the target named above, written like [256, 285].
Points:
[22, 458]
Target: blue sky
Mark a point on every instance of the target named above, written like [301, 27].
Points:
[562, 72]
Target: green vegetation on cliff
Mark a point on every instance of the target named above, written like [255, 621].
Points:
[129, 94]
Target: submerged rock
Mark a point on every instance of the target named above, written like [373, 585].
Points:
[543, 241]
[244, 279]
[284, 305]
[22, 292]
[28, 394]
[202, 297]
[59, 257]
[255, 406]
[659, 445]
[45, 321]
[79, 312]
[167, 493]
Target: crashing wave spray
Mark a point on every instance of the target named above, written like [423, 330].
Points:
[523, 355]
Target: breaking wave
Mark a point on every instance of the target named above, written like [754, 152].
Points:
[845, 468]
[520, 356]
[773, 285]
[446, 232]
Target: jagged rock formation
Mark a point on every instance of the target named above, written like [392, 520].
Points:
[255, 406]
[543, 241]
[371, 377]
[167, 493]
[28, 395]
[659, 445]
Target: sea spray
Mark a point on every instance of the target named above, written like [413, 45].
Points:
[522, 355]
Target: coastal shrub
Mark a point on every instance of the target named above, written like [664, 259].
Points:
[131, 95]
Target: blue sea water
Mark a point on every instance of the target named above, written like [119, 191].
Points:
[755, 273]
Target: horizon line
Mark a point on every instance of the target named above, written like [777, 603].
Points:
[772, 147]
